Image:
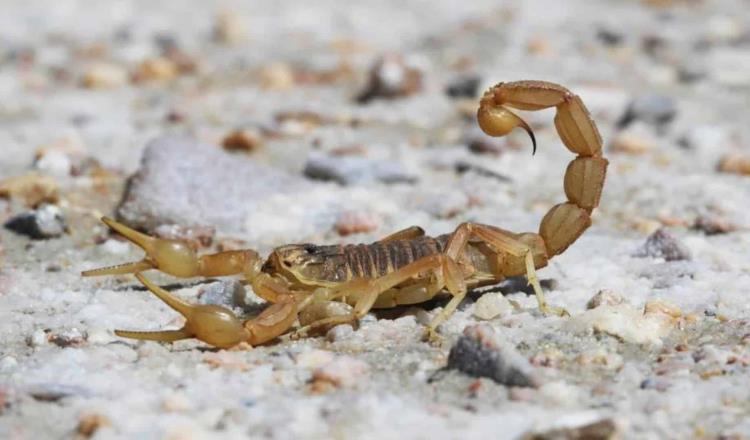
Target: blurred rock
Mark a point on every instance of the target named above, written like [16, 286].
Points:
[276, 76]
[196, 237]
[70, 337]
[492, 305]
[350, 170]
[479, 352]
[464, 86]
[44, 222]
[33, 188]
[705, 138]
[391, 77]
[104, 76]
[634, 140]
[247, 140]
[604, 298]
[662, 244]
[228, 293]
[342, 371]
[356, 222]
[734, 163]
[653, 109]
[230, 28]
[156, 69]
[604, 429]
[714, 225]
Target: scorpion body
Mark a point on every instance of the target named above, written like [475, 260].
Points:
[406, 267]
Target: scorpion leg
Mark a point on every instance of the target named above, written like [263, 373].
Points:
[409, 233]
[368, 290]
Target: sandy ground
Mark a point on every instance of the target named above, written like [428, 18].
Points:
[87, 87]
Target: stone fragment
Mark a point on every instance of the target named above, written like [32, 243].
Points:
[662, 244]
[464, 86]
[104, 76]
[227, 293]
[391, 77]
[654, 109]
[89, 422]
[247, 140]
[625, 323]
[32, 188]
[71, 337]
[604, 298]
[341, 372]
[277, 76]
[492, 305]
[734, 163]
[479, 352]
[42, 223]
[356, 222]
[230, 28]
[195, 236]
[156, 69]
[604, 429]
[349, 170]
[633, 141]
[714, 225]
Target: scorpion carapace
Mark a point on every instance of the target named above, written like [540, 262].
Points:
[406, 267]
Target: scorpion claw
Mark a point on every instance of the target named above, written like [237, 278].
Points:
[170, 256]
[498, 121]
[211, 324]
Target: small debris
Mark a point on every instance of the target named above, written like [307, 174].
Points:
[339, 333]
[72, 337]
[391, 77]
[33, 188]
[662, 244]
[604, 298]
[277, 76]
[625, 323]
[653, 109]
[605, 429]
[104, 76]
[230, 28]
[52, 392]
[350, 170]
[341, 372]
[480, 353]
[633, 141]
[356, 222]
[247, 140]
[654, 383]
[195, 236]
[160, 69]
[713, 225]
[492, 305]
[45, 222]
[176, 402]
[734, 163]
[463, 87]
[90, 422]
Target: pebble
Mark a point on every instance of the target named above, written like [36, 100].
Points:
[350, 170]
[713, 225]
[634, 141]
[391, 77]
[176, 402]
[195, 236]
[37, 338]
[479, 352]
[156, 69]
[356, 222]
[734, 163]
[653, 109]
[230, 28]
[464, 86]
[662, 244]
[339, 333]
[705, 138]
[91, 421]
[32, 188]
[314, 359]
[227, 293]
[55, 163]
[246, 140]
[276, 76]
[604, 429]
[655, 383]
[52, 392]
[625, 323]
[8, 363]
[72, 337]
[605, 298]
[341, 372]
[492, 305]
[42, 223]
[104, 76]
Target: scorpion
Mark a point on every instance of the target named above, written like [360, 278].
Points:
[406, 267]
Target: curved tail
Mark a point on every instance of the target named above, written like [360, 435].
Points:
[584, 178]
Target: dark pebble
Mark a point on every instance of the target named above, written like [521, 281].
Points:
[662, 244]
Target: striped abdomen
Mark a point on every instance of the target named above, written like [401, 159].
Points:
[378, 259]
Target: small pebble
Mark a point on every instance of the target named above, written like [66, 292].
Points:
[605, 298]
[42, 223]
[52, 392]
[391, 77]
[662, 244]
[339, 333]
[314, 359]
[8, 363]
[713, 225]
[38, 338]
[176, 402]
[705, 138]
[104, 76]
[156, 69]
[228, 293]
[653, 109]
[247, 140]
[492, 305]
[277, 76]
[195, 236]
[349, 170]
[89, 422]
[734, 163]
[654, 383]
[72, 337]
[464, 86]
[356, 222]
[480, 353]
[633, 141]
[341, 372]
[55, 163]
[230, 28]
[604, 429]
[33, 188]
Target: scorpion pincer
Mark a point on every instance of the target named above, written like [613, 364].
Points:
[406, 267]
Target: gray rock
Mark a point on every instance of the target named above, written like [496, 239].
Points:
[228, 293]
[480, 353]
[348, 170]
[662, 244]
[44, 222]
[184, 182]
[600, 430]
[657, 110]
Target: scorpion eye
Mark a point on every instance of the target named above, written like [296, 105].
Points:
[309, 248]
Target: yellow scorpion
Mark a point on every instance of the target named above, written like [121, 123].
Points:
[407, 267]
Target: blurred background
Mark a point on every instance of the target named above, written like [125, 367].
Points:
[258, 123]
